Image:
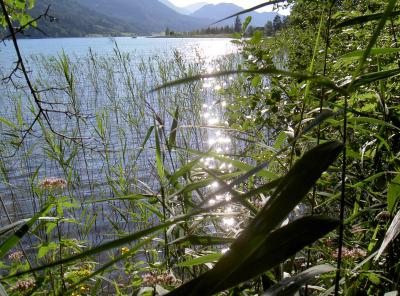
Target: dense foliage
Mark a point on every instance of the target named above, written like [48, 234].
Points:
[297, 188]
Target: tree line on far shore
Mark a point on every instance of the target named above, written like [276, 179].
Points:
[270, 28]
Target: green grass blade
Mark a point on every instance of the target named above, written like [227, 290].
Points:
[16, 237]
[199, 240]
[291, 285]
[374, 38]
[146, 138]
[173, 132]
[364, 18]
[374, 76]
[320, 80]
[200, 260]
[159, 159]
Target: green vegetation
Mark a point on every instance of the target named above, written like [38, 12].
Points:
[276, 172]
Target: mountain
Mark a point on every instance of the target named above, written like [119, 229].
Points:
[194, 7]
[187, 10]
[219, 11]
[148, 16]
[180, 10]
[75, 20]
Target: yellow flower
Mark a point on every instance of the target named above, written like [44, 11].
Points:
[124, 250]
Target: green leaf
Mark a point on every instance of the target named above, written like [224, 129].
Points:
[391, 234]
[374, 51]
[44, 249]
[386, 14]
[191, 240]
[159, 159]
[252, 241]
[393, 194]
[246, 23]
[3, 291]
[7, 122]
[374, 76]
[146, 138]
[279, 245]
[289, 286]
[7, 228]
[173, 132]
[365, 18]
[201, 260]
[15, 238]
[321, 80]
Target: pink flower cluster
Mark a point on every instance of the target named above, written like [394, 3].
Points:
[16, 256]
[152, 279]
[53, 183]
[351, 253]
[24, 285]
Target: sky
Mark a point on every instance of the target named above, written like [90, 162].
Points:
[242, 3]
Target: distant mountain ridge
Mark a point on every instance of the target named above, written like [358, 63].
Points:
[74, 20]
[189, 9]
[148, 16]
[215, 12]
[79, 18]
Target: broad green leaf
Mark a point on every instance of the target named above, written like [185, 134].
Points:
[16, 237]
[278, 246]
[287, 195]
[391, 234]
[373, 77]
[201, 260]
[365, 18]
[289, 286]
[7, 228]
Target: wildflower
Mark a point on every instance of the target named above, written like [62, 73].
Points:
[150, 279]
[53, 184]
[164, 279]
[16, 256]
[124, 250]
[23, 286]
[351, 253]
[84, 289]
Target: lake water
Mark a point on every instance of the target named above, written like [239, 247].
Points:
[208, 47]
[110, 93]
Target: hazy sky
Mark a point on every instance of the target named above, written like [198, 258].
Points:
[242, 3]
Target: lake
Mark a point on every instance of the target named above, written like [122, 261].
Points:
[99, 95]
[208, 47]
